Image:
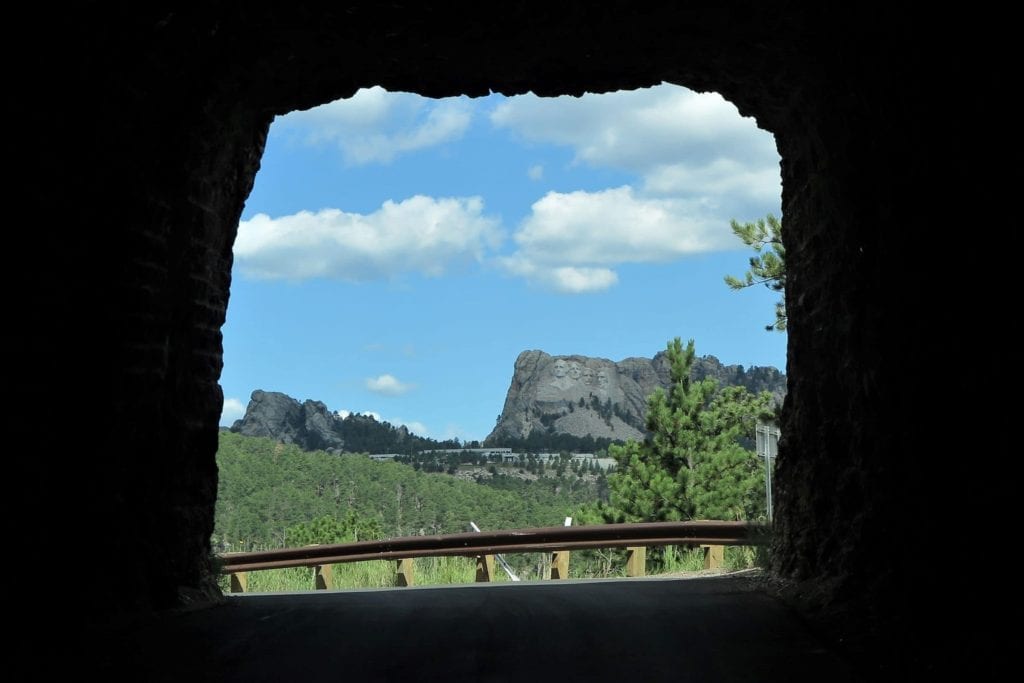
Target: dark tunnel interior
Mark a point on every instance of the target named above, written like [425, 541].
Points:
[144, 136]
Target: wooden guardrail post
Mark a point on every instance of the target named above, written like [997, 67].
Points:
[714, 556]
[636, 561]
[404, 572]
[484, 568]
[239, 582]
[560, 564]
[323, 577]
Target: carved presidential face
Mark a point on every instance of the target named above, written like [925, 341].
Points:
[561, 367]
[575, 371]
[588, 376]
[602, 378]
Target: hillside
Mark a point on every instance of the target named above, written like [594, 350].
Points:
[265, 487]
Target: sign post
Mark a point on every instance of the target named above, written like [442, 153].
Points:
[768, 448]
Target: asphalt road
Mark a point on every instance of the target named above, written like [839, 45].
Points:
[643, 630]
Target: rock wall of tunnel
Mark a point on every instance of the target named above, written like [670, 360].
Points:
[142, 187]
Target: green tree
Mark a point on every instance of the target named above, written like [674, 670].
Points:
[768, 267]
[325, 530]
[728, 480]
[693, 465]
[266, 489]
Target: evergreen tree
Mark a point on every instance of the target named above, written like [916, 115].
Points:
[692, 466]
[325, 530]
[768, 268]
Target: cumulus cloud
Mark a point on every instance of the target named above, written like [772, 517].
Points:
[387, 385]
[375, 126]
[569, 240]
[722, 182]
[640, 130]
[565, 279]
[420, 234]
[615, 226]
[233, 410]
[699, 164]
[414, 426]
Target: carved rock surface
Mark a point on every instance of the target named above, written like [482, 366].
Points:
[583, 396]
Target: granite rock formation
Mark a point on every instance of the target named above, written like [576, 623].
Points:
[584, 396]
[309, 425]
[312, 426]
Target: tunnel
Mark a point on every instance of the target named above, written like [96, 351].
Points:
[141, 130]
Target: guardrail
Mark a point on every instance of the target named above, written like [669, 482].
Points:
[711, 535]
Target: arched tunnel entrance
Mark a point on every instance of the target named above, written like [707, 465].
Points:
[175, 111]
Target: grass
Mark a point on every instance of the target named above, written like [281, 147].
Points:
[445, 571]
[427, 571]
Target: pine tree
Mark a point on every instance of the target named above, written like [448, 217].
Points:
[768, 268]
[693, 465]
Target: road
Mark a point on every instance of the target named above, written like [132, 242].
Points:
[644, 630]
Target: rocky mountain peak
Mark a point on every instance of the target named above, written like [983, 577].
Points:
[581, 396]
[278, 416]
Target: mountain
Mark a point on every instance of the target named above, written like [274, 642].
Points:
[577, 396]
[310, 425]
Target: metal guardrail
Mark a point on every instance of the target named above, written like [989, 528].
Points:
[489, 543]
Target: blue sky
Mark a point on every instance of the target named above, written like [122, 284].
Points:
[397, 253]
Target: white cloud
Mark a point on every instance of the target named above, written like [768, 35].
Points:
[233, 410]
[414, 426]
[616, 226]
[640, 130]
[565, 279]
[387, 385]
[569, 240]
[375, 126]
[578, 280]
[699, 164]
[419, 234]
[725, 180]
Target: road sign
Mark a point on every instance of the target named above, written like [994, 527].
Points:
[767, 438]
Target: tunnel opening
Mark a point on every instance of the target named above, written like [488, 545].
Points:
[446, 238]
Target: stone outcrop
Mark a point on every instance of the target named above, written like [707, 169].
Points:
[309, 425]
[312, 426]
[583, 396]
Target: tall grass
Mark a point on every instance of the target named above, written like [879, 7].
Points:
[676, 559]
[427, 571]
[739, 557]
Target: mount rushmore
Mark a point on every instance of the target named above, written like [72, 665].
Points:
[582, 396]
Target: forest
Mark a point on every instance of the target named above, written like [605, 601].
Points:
[270, 493]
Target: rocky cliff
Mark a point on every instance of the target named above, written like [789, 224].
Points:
[312, 426]
[583, 396]
[309, 425]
